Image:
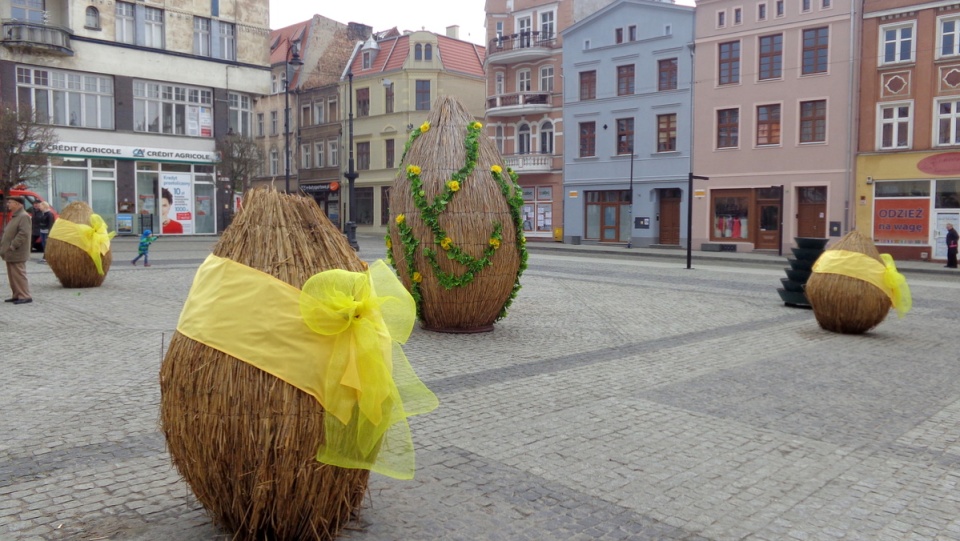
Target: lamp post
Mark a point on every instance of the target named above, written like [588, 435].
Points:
[690, 179]
[630, 196]
[351, 174]
[293, 62]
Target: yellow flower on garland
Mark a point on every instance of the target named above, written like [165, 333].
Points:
[425, 127]
[417, 277]
[389, 243]
[453, 185]
[446, 243]
[497, 169]
[477, 125]
[413, 169]
[495, 243]
[400, 219]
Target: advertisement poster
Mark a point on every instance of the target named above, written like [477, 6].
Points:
[176, 204]
[901, 221]
[124, 223]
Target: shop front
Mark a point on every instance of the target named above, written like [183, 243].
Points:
[327, 196]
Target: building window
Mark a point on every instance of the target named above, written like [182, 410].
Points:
[949, 36]
[761, 12]
[305, 115]
[172, 109]
[498, 84]
[896, 125]
[418, 52]
[523, 139]
[731, 210]
[721, 19]
[813, 121]
[64, 98]
[241, 111]
[618, 35]
[825, 4]
[948, 127]
[305, 157]
[771, 57]
[363, 102]
[153, 27]
[125, 23]
[632, 32]
[896, 42]
[523, 81]
[273, 123]
[588, 85]
[547, 26]
[428, 52]
[737, 16]
[423, 95]
[333, 151]
[364, 206]
[546, 79]
[498, 138]
[779, 8]
[201, 36]
[728, 128]
[318, 153]
[274, 162]
[667, 133]
[390, 153]
[667, 74]
[625, 80]
[278, 82]
[546, 138]
[768, 125]
[318, 112]
[588, 139]
[228, 41]
[729, 62]
[367, 60]
[92, 18]
[388, 98]
[624, 136]
[363, 156]
[815, 49]
[260, 124]
[385, 205]
[332, 112]
[804, 6]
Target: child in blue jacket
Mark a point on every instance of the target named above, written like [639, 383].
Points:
[144, 249]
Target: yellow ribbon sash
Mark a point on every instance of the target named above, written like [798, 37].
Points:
[863, 267]
[338, 339]
[92, 239]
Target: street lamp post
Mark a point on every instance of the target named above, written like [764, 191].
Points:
[288, 64]
[351, 174]
[690, 178]
[630, 196]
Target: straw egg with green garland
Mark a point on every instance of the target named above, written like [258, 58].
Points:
[455, 234]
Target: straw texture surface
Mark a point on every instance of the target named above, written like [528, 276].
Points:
[71, 265]
[843, 304]
[469, 220]
[244, 440]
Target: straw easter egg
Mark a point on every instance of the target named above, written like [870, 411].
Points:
[72, 266]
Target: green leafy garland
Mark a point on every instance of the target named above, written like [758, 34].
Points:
[431, 210]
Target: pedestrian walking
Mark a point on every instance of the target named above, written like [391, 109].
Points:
[143, 250]
[952, 237]
[15, 250]
[45, 219]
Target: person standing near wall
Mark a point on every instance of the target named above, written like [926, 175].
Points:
[952, 237]
[15, 250]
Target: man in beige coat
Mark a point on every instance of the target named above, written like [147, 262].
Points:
[15, 250]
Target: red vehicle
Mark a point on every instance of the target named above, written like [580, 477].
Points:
[30, 199]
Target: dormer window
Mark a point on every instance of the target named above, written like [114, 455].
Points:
[367, 60]
[418, 52]
[428, 52]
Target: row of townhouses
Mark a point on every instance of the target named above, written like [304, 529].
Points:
[728, 126]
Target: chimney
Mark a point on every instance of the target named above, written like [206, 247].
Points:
[453, 31]
[359, 32]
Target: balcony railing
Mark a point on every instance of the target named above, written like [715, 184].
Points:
[529, 163]
[519, 102]
[521, 47]
[36, 37]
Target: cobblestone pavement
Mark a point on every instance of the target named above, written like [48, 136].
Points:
[623, 398]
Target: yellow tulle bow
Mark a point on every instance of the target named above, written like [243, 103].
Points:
[92, 239]
[863, 267]
[337, 339]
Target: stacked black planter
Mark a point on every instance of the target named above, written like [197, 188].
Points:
[801, 265]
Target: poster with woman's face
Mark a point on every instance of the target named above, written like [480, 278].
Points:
[176, 204]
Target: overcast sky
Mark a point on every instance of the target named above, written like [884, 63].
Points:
[434, 15]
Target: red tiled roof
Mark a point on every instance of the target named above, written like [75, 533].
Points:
[455, 55]
[284, 38]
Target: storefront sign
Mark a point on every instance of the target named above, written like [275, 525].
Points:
[573, 194]
[947, 163]
[85, 150]
[700, 193]
[320, 188]
[901, 221]
[176, 204]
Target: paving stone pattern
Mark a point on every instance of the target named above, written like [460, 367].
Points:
[622, 399]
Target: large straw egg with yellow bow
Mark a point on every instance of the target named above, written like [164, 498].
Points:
[78, 248]
[276, 392]
[455, 235]
[853, 287]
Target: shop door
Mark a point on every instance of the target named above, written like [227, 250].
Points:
[768, 226]
[669, 216]
[940, 242]
[610, 222]
[812, 212]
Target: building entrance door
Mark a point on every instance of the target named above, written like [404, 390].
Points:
[940, 243]
[812, 212]
[670, 216]
[610, 222]
[768, 225]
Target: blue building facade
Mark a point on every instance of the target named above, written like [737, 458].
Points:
[627, 93]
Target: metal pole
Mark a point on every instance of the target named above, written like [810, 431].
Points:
[780, 243]
[351, 174]
[286, 125]
[630, 195]
[690, 178]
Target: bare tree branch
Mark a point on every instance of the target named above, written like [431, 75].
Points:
[25, 143]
